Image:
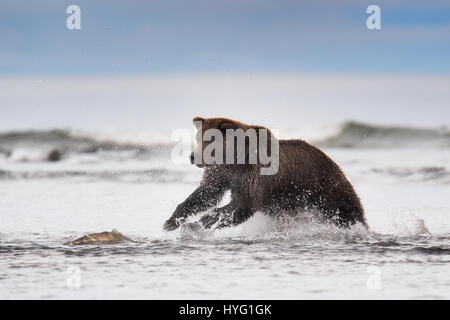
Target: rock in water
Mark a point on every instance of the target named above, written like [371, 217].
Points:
[102, 238]
[54, 155]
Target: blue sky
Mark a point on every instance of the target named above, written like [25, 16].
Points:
[223, 37]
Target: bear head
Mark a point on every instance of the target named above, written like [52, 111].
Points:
[223, 141]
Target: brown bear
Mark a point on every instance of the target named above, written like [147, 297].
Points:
[306, 180]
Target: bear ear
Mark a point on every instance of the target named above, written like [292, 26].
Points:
[197, 121]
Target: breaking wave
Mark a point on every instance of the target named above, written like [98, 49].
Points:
[359, 135]
[78, 140]
[52, 145]
[59, 144]
[425, 174]
[153, 175]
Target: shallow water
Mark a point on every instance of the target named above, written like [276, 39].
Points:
[44, 206]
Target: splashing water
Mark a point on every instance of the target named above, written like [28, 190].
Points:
[45, 205]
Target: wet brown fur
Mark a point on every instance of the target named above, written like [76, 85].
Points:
[307, 179]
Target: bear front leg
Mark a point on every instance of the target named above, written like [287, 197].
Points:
[231, 215]
[208, 220]
[204, 197]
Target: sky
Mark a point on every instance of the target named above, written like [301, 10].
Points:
[140, 64]
[223, 37]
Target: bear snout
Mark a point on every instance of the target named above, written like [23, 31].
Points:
[193, 159]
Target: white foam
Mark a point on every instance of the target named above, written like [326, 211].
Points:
[407, 224]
